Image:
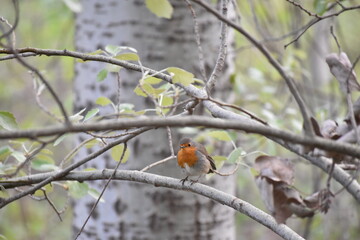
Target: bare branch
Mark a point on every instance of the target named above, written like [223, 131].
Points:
[248, 126]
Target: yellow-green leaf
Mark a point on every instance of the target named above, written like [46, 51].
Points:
[101, 75]
[161, 8]
[5, 151]
[181, 76]
[77, 189]
[220, 135]
[43, 162]
[90, 114]
[103, 101]
[92, 143]
[48, 189]
[166, 101]
[117, 151]
[128, 57]
[97, 52]
[60, 139]
[152, 80]
[19, 156]
[95, 194]
[138, 91]
[112, 49]
[148, 89]
[7, 121]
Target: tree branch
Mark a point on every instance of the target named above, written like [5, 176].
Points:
[161, 181]
[156, 122]
[289, 80]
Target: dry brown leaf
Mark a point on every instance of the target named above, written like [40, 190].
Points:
[341, 67]
[274, 168]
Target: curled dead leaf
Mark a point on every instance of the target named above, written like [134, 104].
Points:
[275, 168]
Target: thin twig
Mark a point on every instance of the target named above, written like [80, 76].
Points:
[118, 81]
[198, 40]
[289, 80]
[228, 173]
[13, 27]
[335, 38]
[26, 161]
[65, 171]
[51, 204]
[220, 61]
[298, 5]
[157, 163]
[252, 116]
[102, 192]
[320, 18]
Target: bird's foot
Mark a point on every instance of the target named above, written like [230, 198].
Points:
[183, 180]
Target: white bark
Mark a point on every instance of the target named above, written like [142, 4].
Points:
[133, 210]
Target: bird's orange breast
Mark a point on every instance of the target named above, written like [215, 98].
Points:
[187, 155]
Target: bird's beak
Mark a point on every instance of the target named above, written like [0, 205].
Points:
[182, 146]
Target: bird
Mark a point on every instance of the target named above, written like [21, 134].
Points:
[341, 67]
[193, 158]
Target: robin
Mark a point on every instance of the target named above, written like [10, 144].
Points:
[194, 159]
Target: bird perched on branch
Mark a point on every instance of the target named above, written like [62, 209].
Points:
[194, 159]
[341, 67]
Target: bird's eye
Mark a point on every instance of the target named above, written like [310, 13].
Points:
[189, 144]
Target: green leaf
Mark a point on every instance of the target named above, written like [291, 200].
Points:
[161, 8]
[48, 189]
[320, 6]
[148, 89]
[7, 121]
[60, 139]
[112, 68]
[235, 155]
[77, 117]
[181, 76]
[77, 189]
[95, 194]
[90, 114]
[19, 156]
[128, 57]
[220, 135]
[92, 143]
[138, 91]
[103, 101]
[97, 52]
[117, 151]
[101, 75]
[166, 101]
[126, 106]
[112, 49]
[43, 162]
[152, 80]
[5, 151]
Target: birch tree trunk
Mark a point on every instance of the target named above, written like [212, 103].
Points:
[131, 210]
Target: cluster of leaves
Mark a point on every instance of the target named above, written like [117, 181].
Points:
[274, 178]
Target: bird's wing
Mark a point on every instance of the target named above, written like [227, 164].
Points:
[212, 162]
